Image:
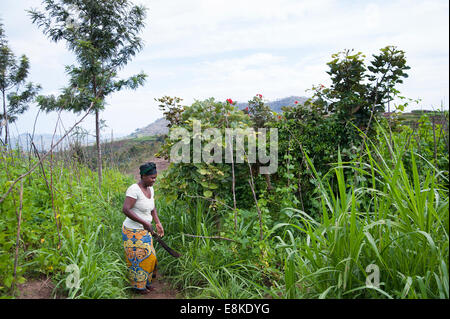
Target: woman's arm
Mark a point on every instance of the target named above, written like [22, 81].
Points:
[127, 205]
[159, 227]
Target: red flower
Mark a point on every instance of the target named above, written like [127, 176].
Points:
[246, 108]
[230, 101]
[296, 102]
[259, 95]
[279, 117]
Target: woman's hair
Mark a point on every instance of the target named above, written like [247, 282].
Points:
[147, 169]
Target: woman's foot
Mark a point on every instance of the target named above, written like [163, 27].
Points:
[144, 291]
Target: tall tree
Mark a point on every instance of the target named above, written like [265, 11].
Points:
[13, 75]
[357, 92]
[104, 36]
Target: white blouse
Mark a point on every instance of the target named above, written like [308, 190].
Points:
[143, 206]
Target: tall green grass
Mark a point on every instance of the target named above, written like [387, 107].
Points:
[90, 233]
[380, 212]
[395, 221]
[95, 245]
[209, 268]
[102, 271]
[386, 210]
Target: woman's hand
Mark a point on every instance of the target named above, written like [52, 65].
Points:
[159, 230]
[148, 227]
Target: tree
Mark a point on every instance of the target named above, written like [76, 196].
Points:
[104, 36]
[172, 110]
[358, 93]
[259, 112]
[13, 75]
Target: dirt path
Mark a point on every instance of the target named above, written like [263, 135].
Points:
[42, 288]
[161, 165]
[162, 291]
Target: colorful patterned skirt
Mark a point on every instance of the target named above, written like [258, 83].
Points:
[140, 256]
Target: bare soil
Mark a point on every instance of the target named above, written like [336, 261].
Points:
[41, 288]
[161, 165]
[162, 291]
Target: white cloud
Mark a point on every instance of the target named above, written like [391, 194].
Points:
[237, 48]
[210, 27]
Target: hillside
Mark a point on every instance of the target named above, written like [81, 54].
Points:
[159, 127]
[277, 104]
[43, 142]
[126, 153]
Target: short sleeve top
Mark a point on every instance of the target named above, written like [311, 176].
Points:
[143, 206]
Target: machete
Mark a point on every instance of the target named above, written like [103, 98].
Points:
[164, 245]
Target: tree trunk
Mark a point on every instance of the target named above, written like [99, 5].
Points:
[5, 115]
[19, 221]
[269, 184]
[99, 150]
[97, 137]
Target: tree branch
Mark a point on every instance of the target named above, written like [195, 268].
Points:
[210, 237]
[45, 155]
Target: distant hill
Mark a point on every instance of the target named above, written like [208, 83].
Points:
[43, 142]
[159, 127]
[277, 104]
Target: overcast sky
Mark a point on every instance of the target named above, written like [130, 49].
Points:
[235, 49]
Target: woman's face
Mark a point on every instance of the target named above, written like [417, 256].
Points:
[149, 180]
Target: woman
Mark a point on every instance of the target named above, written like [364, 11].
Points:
[137, 230]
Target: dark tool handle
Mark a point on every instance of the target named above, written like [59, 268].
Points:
[164, 245]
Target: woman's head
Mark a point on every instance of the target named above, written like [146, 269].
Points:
[148, 173]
